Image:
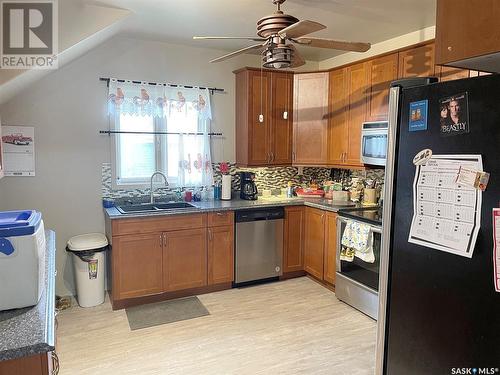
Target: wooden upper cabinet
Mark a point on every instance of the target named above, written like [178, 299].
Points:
[258, 137]
[263, 117]
[281, 129]
[417, 62]
[338, 127]
[314, 242]
[137, 265]
[184, 259]
[310, 119]
[293, 242]
[446, 73]
[358, 81]
[468, 29]
[383, 70]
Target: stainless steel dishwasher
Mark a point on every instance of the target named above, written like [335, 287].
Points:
[259, 245]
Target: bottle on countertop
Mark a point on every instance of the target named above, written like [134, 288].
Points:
[289, 190]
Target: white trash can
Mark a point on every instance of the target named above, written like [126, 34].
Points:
[89, 265]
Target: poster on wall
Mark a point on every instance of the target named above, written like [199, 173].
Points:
[18, 146]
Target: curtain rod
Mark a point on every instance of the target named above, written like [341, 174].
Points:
[109, 132]
[211, 89]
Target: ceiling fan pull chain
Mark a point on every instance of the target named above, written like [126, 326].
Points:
[285, 112]
[261, 116]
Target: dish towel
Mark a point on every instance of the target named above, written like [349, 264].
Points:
[357, 240]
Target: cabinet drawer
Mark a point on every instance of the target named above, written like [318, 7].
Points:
[221, 218]
[158, 224]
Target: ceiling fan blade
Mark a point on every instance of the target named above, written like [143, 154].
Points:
[297, 59]
[301, 28]
[236, 53]
[254, 38]
[334, 44]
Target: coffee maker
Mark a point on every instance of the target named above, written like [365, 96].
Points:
[248, 188]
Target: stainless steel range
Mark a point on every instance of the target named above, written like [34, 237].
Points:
[357, 278]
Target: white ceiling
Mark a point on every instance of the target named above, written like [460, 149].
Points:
[354, 20]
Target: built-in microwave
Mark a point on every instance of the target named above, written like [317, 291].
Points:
[374, 142]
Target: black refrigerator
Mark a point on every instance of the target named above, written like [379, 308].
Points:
[439, 312]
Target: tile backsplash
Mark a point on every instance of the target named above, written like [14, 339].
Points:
[265, 178]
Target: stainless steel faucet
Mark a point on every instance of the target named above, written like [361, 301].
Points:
[152, 198]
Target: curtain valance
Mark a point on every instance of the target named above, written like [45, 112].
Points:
[157, 101]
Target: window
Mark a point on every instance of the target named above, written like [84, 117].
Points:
[183, 154]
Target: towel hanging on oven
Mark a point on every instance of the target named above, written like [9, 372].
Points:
[359, 237]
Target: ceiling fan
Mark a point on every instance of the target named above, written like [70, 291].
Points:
[276, 30]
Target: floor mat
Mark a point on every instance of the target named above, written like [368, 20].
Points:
[155, 314]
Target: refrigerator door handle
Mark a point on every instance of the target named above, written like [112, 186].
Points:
[394, 95]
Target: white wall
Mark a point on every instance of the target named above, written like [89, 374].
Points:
[68, 108]
[379, 48]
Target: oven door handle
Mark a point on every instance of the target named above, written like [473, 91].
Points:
[340, 220]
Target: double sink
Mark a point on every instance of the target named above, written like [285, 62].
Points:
[153, 207]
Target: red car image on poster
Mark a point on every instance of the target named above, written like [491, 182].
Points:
[17, 139]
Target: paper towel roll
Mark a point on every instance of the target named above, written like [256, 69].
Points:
[226, 187]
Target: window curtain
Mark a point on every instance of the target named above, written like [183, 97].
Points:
[184, 112]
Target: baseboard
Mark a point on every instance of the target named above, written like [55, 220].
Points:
[322, 283]
[292, 275]
[129, 302]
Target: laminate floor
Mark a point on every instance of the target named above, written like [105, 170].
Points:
[289, 327]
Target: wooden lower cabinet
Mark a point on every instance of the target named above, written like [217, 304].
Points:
[220, 254]
[184, 259]
[39, 364]
[293, 241]
[330, 249]
[314, 242]
[191, 258]
[137, 265]
[320, 244]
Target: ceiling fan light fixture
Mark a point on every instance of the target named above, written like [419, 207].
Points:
[277, 57]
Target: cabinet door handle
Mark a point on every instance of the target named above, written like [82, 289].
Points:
[210, 234]
[221, 214]
[293, 155]
[272, 156]
[161, 240]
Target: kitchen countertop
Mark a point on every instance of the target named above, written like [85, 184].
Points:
[236, 204]
[30, 331]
